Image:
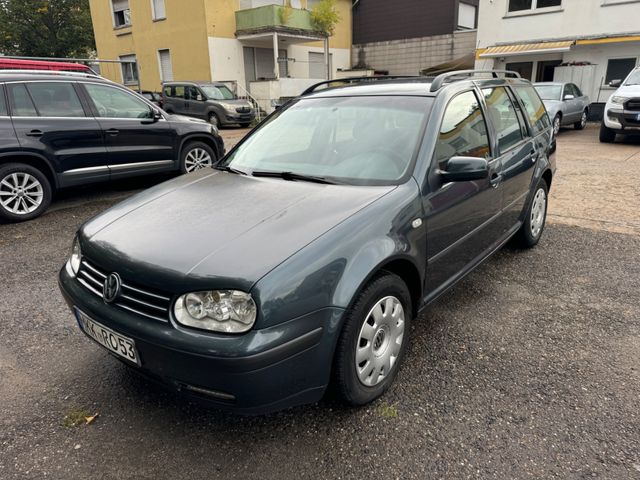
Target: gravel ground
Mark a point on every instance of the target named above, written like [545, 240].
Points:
[529, 368]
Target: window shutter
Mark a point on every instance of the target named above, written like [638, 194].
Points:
[120, 5]
[158, 9]
[166, 70]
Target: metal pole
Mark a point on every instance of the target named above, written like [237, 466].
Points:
[276, 66]
[326, 58]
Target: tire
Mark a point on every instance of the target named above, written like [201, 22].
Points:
[557, 122]
[214, 120]
[196, 155]
[535, 219]
[582, 123]
[606, 134]
[388, 336]
[25, 192]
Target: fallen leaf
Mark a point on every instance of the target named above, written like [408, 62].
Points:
[91, 418]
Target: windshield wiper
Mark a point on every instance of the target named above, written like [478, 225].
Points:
[227, 168]
[293, 176]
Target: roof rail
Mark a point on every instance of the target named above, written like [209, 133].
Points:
[13, 71]
[439, 81]
[351, 80]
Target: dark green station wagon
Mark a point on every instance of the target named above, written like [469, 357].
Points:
[302, 258]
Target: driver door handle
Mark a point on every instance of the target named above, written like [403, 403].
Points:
[35, 133]
[113, 131]
[495, 180]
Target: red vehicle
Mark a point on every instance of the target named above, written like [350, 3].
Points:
[13, 64]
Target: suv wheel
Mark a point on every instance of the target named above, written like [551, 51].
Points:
[535, 219]
[582, 123]
[373, 340]
[196, 155]
[25, 192]
[606, 134]
[214, 120]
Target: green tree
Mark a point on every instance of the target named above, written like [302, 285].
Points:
[325, 16]
[46, 28]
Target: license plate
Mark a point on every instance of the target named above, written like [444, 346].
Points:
[114, 342]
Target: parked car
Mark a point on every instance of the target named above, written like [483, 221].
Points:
[622, 110]
[153, 97]
[213, 102]
[565, 103]
[67, 129]
[304, 257]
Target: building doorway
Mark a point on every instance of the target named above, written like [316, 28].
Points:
[546, 70]
[525, 69]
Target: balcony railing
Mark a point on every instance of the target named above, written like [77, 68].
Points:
[272, 17]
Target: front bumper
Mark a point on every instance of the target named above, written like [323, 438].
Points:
[234, 117]
[623, 121]
[255, 373]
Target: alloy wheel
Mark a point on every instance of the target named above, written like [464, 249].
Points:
[583, 120]
[196, 159]
[380, 341]
[538, 212]
[20, 193]
[556, 126]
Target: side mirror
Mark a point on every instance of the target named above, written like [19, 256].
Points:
[154, 116]
[615, 83]
[464, 169]
[199, 98]
[568, 96]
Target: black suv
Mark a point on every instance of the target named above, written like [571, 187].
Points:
[60, 130]
[336, 221]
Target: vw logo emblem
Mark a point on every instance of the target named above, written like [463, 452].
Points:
[111, 288]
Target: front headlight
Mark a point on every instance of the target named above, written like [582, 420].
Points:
[618, 100]
[76, 257]
[228, 311]
[228, 107]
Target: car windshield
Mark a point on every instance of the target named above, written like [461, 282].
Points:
[217, 92]
[549, 92]
[633, 79]
[355, 140]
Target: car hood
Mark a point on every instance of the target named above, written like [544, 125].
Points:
[216, 229]
[552, 106]
[172, 117]
[238, 102]
[628, 91]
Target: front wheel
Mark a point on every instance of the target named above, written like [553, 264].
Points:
[25, 192]
[373, 340]
[196, 155]
[214, 120]
[606, 134]
[535, 219]
[582, 123]
[557, 120]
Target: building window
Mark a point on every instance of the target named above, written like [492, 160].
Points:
[619, 68]
[520, 5]
[129, 69]
[166, 70]
[158, 10]
[467, 16]
[121, 13]
[525, 69]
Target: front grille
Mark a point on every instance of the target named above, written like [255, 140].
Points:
[141, 301]
[243, 110]
[633, 104]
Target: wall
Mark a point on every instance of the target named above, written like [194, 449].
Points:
[409, 56]
[183, 32]
[575, 18]
[384, 20]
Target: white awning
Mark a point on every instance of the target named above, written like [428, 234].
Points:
[527, 48]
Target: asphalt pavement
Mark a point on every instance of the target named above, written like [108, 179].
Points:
[528, 368]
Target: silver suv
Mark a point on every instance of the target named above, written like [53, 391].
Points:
[214, 102]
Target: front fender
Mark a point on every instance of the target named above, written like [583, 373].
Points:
[333, 268]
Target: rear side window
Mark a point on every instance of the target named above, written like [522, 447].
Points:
[3, 103]
[55, 99]
[533, 106]
[463, 131]
[503, 116]
[173, 91]
[21, 104]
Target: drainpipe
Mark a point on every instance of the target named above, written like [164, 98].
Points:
[276, 65]
[326, 58]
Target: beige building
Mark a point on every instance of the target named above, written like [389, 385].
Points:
[270, 48]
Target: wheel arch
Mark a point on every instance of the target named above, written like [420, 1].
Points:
[198, 137]
[33, 160]
[547, 176]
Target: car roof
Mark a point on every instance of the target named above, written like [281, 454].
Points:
[409, 86]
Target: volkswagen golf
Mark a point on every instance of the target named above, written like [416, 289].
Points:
[301, 259]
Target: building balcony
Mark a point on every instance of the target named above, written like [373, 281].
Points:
[260, 19]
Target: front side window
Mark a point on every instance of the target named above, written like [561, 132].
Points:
[121, 13]
[218, 92]
[503, 116]
[619, 68]
[521, 5]
[55, 99]
[21, 104]
[112, 102]
[129, 69]
[533, 106]
[355, 140]
[463, 131]
[192, 93]
[549, 92]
